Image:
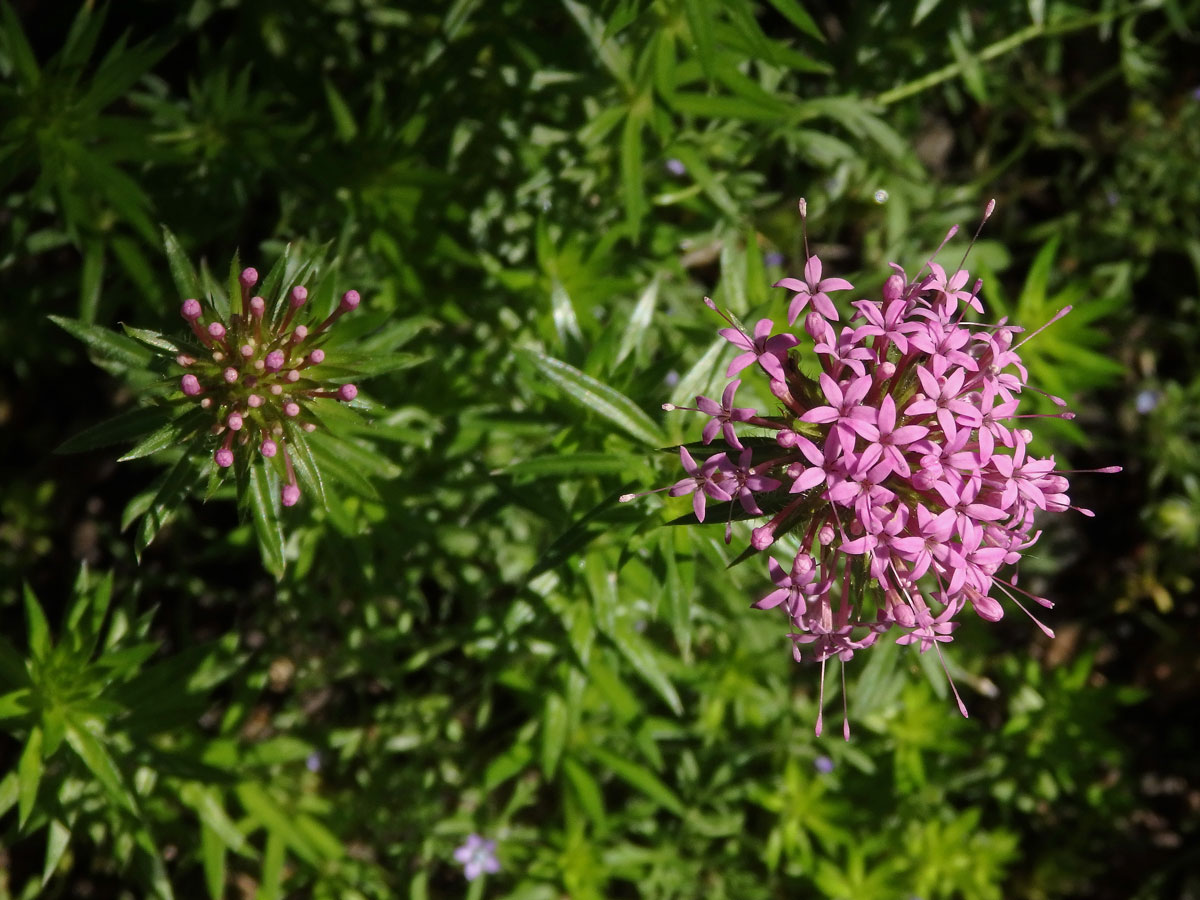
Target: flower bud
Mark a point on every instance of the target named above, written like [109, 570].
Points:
[190, 384]
[190, 310]
[893, 288]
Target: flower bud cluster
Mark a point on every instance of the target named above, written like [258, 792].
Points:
[255, 376]
[903, 469]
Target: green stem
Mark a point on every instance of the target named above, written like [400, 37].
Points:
[1014, 40]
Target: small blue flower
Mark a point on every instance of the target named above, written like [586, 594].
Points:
[823, 764]
[676, 167]
[1147, 400]
[773, 258]
[477, 856]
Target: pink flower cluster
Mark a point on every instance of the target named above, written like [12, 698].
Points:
[902, 471]
[257, 376]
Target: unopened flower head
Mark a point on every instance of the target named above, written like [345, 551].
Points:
[256, 373]
[903, 469]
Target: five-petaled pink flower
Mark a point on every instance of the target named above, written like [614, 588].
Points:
[813, 289]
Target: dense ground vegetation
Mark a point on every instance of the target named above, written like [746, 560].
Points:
[470, 635]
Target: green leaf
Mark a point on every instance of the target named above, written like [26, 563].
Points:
[343, 119]
[555, 724]
[636, 330]
[29, 775]
[107, 344]
[186, 281]
[212, 856]
[609, 52]
[91, 277]
[508, 764]
[151, 338]
[798, 16]
[599, 398]
[642, 656]
[271, 882]
[280, 822]
[586, 791]
[333, 465]
[15, 704]
[632, 176]
[700, 17]
[639, 778]
[89, 749]
[58, 838]
[38, 628]
[206, 802]
[168, 435]
[173, 487]
[307, 472]
[573, 464]
[264, 513]
[17, 48]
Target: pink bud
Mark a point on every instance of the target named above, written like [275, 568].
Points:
[224, 457]
[987, 607]
[190, 310]
[247, 351]
[291, 408]
[802, 564]
[762, 538]
[786, 438]
[269, 448]
[254, 401]
[277, 389]
[275, 360]
[826, 535]
[298, 296]
[903, 614]
[217, 330]
[885, 371]
[347, 392]
[258, 306]
[292, 376]
[350, 301]
[230, 375]
[299, 334]
[290, 495]
[893, 288]
[249, 277]
[815, 325]
[316, 356]
[190, 384]
[184, 360]
[309, 427]
[234, 422]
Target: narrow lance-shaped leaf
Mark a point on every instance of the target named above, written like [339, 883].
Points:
[598, 397]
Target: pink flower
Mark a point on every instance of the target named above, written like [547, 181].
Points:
[813, 289]
[724, 415]
[909, 486]
[769, 352]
